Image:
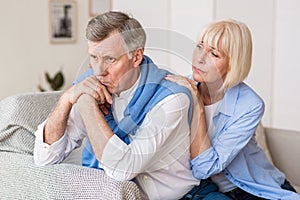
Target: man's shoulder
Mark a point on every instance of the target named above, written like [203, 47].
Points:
[88, 72]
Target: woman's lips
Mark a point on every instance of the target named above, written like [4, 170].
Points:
[198, 70]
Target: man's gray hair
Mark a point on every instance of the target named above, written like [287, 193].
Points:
[101, 26]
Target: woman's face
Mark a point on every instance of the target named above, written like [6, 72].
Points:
[209, 64]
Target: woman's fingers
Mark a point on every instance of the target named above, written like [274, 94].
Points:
[181, 80]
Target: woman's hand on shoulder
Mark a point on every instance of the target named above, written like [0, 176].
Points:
[191, 85]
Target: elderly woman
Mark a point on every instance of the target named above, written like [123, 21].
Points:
[226, 114]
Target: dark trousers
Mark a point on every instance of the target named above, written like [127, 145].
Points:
[205, 191]
[239, 194]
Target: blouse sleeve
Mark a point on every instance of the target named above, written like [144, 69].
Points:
[228, 142]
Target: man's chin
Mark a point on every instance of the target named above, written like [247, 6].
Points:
[111, 90]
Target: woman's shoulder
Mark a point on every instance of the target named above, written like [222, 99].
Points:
[245, 97]
[246, 92]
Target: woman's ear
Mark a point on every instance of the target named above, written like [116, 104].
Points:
[137, 57]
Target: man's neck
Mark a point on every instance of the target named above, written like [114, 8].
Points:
[130, 81]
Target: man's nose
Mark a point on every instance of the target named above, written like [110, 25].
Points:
[100, 69]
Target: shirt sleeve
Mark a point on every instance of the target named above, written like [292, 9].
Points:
[228, 143]
[170, 117]
[45, 154]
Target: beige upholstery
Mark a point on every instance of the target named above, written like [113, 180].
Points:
[284, 146]
[261, 139]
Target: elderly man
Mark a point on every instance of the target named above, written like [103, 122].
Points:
[136, 122]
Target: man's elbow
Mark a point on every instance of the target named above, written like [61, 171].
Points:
[38, 161]
[41, 159]
[119, 175]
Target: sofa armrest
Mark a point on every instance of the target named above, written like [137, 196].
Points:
[284, 148]
[22, 179]
[261, 139]
[19, 117]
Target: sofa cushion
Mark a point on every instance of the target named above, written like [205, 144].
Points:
[284, 148]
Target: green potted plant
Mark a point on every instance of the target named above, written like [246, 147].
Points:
[56, 82]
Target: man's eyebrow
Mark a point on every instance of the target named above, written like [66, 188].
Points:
[91, 54]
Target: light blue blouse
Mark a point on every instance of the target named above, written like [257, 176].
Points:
[234, 148]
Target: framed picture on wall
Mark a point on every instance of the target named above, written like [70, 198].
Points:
[62, 21]
[97, 7]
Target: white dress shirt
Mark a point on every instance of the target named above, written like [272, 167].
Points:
[157, 157]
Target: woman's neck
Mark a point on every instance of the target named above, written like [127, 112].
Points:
[211, 92]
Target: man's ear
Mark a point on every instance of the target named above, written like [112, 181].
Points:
[137, 57]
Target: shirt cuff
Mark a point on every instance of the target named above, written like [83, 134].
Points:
[57, 147]
[202, 164]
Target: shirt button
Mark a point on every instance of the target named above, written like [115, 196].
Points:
[145, 177]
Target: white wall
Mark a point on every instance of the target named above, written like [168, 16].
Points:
[25, 51]
[259, 17]
[172, 27]
[286, 96]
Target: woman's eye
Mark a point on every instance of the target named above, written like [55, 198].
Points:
[199, 46]
[214, 54]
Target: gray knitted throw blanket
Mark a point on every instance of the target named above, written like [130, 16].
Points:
[21, 179]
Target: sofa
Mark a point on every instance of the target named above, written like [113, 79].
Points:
[22, 179]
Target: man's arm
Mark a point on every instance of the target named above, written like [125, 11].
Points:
[52, 143]
[97, 128]
[56, 123]
[164, 128]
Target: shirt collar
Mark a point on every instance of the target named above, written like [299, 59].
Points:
[228, 104]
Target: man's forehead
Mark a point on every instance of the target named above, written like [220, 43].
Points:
[114, 42]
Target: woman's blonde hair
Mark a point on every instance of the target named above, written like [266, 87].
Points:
[233, 39]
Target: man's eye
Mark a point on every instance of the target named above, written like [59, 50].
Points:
[93, 58]
[110, 60]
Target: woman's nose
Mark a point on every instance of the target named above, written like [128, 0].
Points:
[202, 57]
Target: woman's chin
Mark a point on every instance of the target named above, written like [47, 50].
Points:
[197, 77]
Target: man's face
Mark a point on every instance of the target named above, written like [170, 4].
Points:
[111, 63]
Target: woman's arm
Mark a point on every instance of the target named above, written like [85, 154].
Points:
[232, 137]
